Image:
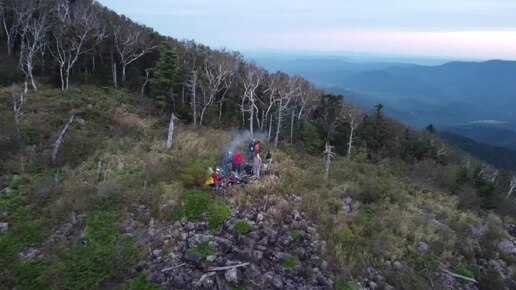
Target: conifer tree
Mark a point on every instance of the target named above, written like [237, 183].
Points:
[165, 77]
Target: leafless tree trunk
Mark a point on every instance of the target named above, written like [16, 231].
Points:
[170, 135]
[489, 173]
[219, 69]
[307, 98]
[17, 105]
[512, 187]
[352, 127]
[60, 139]
[113, 71]
[278, 125]
[252, 78]
[353, 115]
[130, 45]
[192, 85]
[270, 130]
[78, 26]
[98, 170]
[10, 27]
[292, 125]
[330, 155]
[147, 73]
[32, 37]
[287, 93]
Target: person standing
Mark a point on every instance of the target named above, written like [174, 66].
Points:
[251, 150]
[268, 157]
[257, 165]
[237, 159]
[257, 146]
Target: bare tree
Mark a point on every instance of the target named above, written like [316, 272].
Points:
[330, 155]
[130, 44]
[144, 85]
[307, 99]
[251, 79]
[512, 187]
[489, 173]
[77, 32]
[219, 68]
[34, 41]
[286, 94]
[274, 83]
[233, 61]
[18, 105]
[9, 23]
[353, 115]
[22, 12]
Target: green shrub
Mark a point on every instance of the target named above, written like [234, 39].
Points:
[217, 215]
[32, 275]
[195, 203]
[242, 227]
[140, 283]
[104, 256]
[431, 261]
[464, 271]
[193, 173]
[16, 183]
[34, 168]
[295, 233]
[29, 135]
[291, 262]
[349, 286]
[204, 250]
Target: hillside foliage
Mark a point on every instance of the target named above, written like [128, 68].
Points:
[121, 84]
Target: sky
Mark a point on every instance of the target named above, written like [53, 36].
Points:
[455, 29]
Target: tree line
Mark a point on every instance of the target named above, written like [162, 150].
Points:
[65, 42]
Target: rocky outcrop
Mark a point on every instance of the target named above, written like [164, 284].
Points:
[3, 227]
[273, 255]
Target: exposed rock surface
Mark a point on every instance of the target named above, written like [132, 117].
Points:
[272, 256]
[3, 227]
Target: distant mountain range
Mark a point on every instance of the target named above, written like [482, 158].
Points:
[455, 96]
[500, 157]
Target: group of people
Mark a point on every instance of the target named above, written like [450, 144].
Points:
[234, 165]
[255, 158]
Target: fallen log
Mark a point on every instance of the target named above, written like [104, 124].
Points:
[172, 268]
[455, 275]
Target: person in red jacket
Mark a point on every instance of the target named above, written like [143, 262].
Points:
[238, 159]
[216, 178]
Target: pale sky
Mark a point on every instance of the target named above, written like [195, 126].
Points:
[481, 29]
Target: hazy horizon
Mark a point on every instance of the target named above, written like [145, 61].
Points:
[462, 29]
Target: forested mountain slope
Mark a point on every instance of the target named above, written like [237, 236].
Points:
[103, 161]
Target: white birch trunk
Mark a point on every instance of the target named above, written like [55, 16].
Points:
[328, 151]
[60, 139]
[512, 187]
[170, 136]
[194, 97]
[278, 126]
[270, 130]
[292, 126]
[350, 141]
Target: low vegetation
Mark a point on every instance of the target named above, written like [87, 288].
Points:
[242, 227]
